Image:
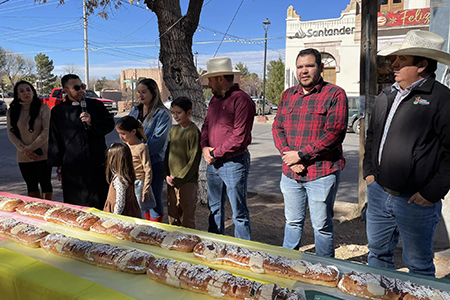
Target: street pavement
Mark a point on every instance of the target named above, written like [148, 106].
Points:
[265, 167]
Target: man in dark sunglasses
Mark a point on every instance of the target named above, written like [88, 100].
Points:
[79, 87]
[77, 144]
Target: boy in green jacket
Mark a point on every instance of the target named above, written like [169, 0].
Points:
[181, 164]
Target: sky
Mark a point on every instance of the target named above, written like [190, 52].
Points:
[129, 37]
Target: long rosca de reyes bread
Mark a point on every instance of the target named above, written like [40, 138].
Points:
[102, 255]
[26, 234]
[9, 204]
[58, 214]
[146, 234]
[216, 283]
[261, 262]
[373, 286]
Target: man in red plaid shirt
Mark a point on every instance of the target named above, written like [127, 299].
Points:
[308, 130]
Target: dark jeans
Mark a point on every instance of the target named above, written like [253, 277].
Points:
[390, 217]
[228, 177]
[37, 173]
[157, 187]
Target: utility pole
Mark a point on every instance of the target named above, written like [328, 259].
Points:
[266, 26]
[368, 81]
[134, 83]
[86, 56]
[132, 89]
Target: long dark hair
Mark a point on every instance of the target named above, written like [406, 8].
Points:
[129, 123]
[120, 162]
[15, 107]
[156, 102]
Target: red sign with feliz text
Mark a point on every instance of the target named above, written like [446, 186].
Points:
[404, 17]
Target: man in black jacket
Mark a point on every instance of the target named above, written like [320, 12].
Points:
[77, 145]
[407, 156]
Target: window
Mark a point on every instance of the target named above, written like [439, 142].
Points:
[391, 5]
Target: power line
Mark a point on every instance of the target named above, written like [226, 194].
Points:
[229, 26]
[136, 29]
[119, 49]
[98, 48]
[110, 31]
[26, 7]
[36, 45]
[43, 30]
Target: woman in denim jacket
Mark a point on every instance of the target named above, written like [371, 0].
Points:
[157, 122]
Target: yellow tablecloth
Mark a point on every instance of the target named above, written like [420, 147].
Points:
[140, 287]
[23, 277]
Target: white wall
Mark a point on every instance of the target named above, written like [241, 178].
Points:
[413, 4]
[341, 46]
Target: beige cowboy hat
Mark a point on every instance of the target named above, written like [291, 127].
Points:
[219, 66]
[420, 43]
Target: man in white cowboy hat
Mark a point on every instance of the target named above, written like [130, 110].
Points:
[226, 134]
[407, 155]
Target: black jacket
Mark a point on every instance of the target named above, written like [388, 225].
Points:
[80, 152]
[416, 153]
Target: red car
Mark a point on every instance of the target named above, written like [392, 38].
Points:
[57, 97]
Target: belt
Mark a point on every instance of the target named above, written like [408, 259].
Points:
[234, 154]
[391, 192]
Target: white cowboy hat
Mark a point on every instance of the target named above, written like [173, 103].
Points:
[219, 66]
[420, 43]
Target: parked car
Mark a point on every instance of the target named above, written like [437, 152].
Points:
[353, 115]
[168, 103]
[259, 106]
[3, 107]
[57, 96]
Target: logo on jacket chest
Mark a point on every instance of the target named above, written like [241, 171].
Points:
[419, 100]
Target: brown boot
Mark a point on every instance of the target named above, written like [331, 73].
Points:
[47, 196]
[36, 194]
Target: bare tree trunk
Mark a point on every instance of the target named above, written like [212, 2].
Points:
[179, 72]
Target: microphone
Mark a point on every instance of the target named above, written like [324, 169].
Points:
[83, 109]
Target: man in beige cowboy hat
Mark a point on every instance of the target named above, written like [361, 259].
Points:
[226, 134]
[407, 155]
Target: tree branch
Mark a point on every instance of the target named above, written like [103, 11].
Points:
[193, 15]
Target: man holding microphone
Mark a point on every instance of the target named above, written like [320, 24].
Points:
[78, 127]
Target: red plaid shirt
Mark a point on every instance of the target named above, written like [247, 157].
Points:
[314, 124]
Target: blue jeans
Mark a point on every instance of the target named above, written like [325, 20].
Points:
[228, 177]
[139, 190]
[157, 186]
[389, 217]
[319, 194]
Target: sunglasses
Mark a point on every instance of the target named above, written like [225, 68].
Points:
[79, 87]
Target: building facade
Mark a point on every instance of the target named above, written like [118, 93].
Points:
[127, 77]
[339, 39]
